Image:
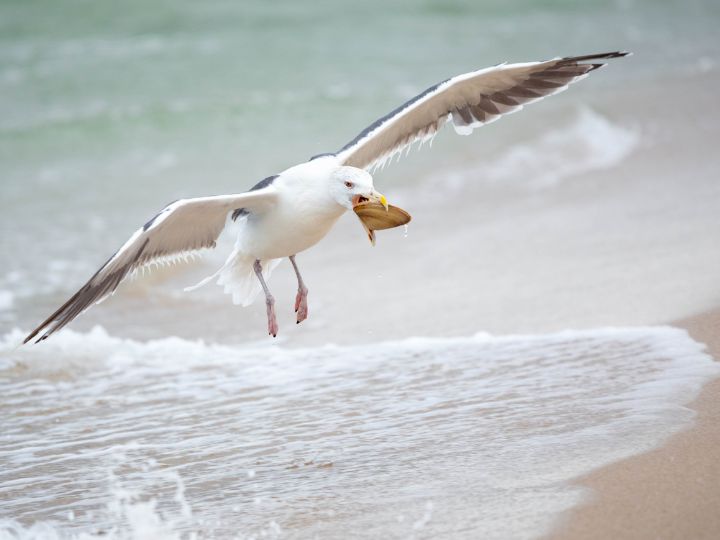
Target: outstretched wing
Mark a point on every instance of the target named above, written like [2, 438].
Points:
[468, 101]
[184, 226]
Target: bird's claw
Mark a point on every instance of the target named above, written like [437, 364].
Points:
[301, 307]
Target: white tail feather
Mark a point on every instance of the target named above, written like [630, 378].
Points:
[237, 277]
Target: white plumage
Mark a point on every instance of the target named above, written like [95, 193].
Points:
[290, 212]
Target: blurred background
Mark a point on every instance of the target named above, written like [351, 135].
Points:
[604, 198]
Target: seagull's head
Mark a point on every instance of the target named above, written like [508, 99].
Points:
[350, 186]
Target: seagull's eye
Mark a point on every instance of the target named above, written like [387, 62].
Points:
[349, 185]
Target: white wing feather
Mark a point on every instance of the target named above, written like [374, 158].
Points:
[468, 101]
[183, 227]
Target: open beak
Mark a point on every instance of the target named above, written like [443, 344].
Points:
[374, 196]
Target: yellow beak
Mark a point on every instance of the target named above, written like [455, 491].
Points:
[381, 199]
[374, 197]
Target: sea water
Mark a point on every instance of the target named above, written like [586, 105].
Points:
[457, 437]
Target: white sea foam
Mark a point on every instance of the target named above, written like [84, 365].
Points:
[130, 515]
[379, 440]
[589, 142]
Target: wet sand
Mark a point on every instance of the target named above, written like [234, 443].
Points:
[671, 492]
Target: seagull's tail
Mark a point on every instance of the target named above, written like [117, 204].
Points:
[237, 277]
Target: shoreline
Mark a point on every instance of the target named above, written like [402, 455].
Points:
[670, 492]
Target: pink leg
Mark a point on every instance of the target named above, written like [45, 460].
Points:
[269, 301]
[301, 307]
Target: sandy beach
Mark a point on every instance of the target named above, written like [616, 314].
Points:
[671, 492]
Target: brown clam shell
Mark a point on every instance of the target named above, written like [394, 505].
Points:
[374, 217]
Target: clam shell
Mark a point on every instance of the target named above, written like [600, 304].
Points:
[374, 217]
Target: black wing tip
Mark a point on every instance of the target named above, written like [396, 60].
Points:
[47, 325]
[88, 294]
[32, 335]
[598, 56]
[50, 325]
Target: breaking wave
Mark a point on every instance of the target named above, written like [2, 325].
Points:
[171, 438]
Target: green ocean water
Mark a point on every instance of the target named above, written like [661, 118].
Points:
[180, 97]
[110, 110]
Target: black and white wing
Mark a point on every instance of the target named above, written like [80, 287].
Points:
[468, 101]
[182, 227]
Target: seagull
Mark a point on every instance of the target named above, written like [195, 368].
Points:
[287, 213]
